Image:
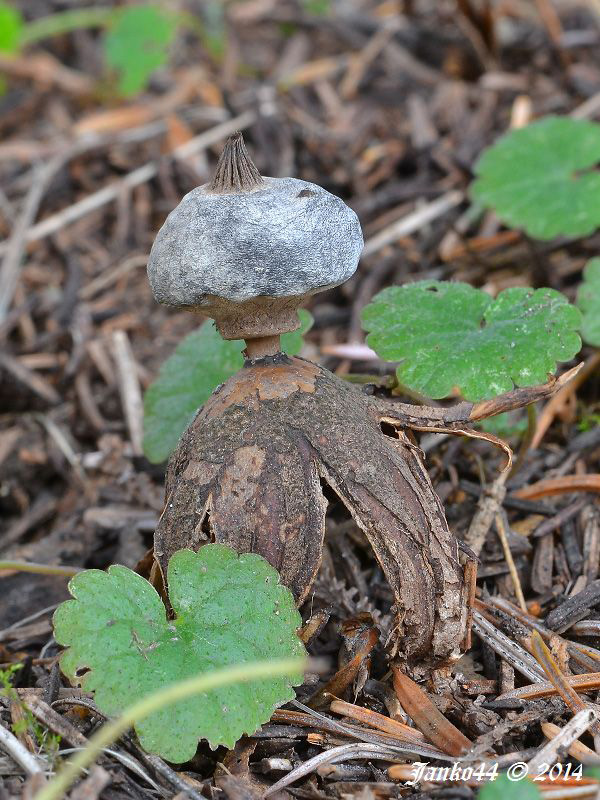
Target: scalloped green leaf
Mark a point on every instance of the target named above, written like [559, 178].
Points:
[451, 334]
[541, 178]
[588, 302]
[138, 43]
[230, 609]
[201, 362]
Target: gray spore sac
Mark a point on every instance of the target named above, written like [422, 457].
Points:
[285, 238]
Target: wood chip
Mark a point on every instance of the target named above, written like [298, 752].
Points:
[431, 722]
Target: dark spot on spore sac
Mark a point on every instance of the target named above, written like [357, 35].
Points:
[305, 193]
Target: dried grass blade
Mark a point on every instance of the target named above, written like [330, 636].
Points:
[582, 683]
[560, 485]
[556, 677]
[401, 745]
[578, 750]
[343, 753]
[560, 399]
[510, 651]
[375, 720]
[549, 753]
[587, 656]
[500, 528]
[570, 792]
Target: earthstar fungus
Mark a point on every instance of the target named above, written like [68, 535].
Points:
[249, 471]
[247, 250]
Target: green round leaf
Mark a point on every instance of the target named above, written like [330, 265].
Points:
[588, 302]
[11, 27]
[450, 334]
[230, 609]
[137, 44]
[542, 178]
[201, 362]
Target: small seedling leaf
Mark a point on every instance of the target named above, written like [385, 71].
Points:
[229, 609]
[541, 178]
[137, 44]
[593, 772]
[318, 8]
[201, 362]
[214, 35]
[505, 788]
[588, 302]
[11, 27]
[448, 335]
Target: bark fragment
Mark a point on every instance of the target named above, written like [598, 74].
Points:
[248, 473]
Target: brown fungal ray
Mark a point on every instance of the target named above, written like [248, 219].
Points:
[247, 473]
[242, 477]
